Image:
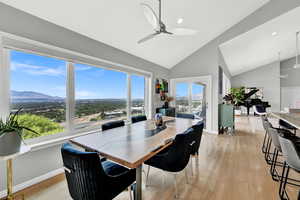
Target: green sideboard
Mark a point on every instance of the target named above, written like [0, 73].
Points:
[226, 117]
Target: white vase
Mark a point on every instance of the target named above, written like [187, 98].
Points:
[10, 143]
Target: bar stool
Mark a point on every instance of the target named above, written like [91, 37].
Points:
[264, 145]
[275, 132]
[290, 149]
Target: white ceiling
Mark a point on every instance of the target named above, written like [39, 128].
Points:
[258, 47]
[120, 23]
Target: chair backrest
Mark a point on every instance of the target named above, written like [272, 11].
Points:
[198, 131]
[266, 125]
[259, 110]
[111, 125]
[179, 152]
[185, 115]
[286, 125]
[83, 173]
[138, 118]
[289, 152]
[275, 137]
[264, 121]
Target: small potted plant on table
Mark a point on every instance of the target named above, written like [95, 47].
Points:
[11, 134]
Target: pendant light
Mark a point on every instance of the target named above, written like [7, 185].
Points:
[297, 65]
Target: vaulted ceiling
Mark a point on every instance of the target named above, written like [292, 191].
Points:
[121, 23]
[261, 45]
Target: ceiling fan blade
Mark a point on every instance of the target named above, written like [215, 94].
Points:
[148, 37]
[184, 31]
[167, 32]
[151, 16]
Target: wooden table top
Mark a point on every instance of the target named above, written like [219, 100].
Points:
[133, 144]
[291, 118]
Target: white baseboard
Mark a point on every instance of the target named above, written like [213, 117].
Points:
[33, 181]
[211, 131]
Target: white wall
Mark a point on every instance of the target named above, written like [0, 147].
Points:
[266, 77]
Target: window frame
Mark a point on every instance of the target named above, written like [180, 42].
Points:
[5, 103]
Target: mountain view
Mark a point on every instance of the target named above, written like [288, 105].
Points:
[32, 96]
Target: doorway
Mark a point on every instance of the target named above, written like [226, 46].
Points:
[193, 96]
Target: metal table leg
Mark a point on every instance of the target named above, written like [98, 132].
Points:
[138, 191]
[9, 179]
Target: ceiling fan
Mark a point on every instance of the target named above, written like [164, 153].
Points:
[158, 26]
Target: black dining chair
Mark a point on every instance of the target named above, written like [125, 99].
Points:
[185, 115]
[111, 125]
[176, 158]
[90, 179]
[138, 118]
[291, 152]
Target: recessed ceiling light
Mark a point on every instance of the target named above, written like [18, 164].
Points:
[274, 33]
[179, 20]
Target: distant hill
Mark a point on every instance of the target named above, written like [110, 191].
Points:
[32, 96]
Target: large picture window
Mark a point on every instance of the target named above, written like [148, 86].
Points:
[61, 97]
[38, 87]
[100, 96]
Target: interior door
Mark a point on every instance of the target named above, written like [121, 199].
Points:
[191, 99]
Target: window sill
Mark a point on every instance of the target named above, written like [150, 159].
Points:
[53, 140]
[43, 144]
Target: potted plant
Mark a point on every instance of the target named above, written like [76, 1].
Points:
[235, 97]
[167, 101]
[11, 134]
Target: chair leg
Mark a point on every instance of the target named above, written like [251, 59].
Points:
[175, 184]
[283, 181]
[263, 148]
[186, 176]
[147, 175]
[130, 193]
[191, 165]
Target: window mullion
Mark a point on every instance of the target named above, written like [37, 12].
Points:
[70, 100]
[190, 97]
[128, 109]
[4, 82]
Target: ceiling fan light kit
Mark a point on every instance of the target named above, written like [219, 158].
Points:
[158, 26]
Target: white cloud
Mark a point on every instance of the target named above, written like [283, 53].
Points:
[85, 94]
[82, 68]
[38, 70]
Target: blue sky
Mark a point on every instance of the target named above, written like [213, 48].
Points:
[48, 76]
[182, 89]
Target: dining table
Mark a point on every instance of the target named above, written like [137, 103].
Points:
[133, 144]
[291, 118]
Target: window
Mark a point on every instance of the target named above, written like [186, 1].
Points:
[60, 97]
[182, 101]
[100, 96]
[38, 86]
[137, 95]
[197, 98]
[190, 98]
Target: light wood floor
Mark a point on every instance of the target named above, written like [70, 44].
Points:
[229, 168]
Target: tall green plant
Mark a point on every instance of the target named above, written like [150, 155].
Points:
[238, 95]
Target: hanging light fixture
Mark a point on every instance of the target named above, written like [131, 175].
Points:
[297, 65]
